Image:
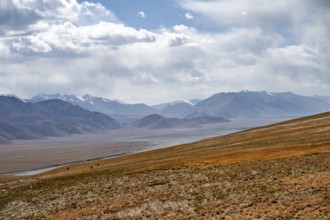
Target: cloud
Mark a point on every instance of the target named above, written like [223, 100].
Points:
[228, 13]
[70, 47]
[188, 16]
[69, 39]
[16, 17]
[93, 13]
[244, 13]
[23, 17]
[64, 28]
[141, 14]
[281, 37]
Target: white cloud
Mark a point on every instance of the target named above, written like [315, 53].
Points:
[141, 14]
[16, 16]
[224, 13]
[71, 39]
[69, 47]
[188, 16]
[22, 17]
[91, 13]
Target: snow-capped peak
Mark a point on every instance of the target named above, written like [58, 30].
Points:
[181, 102]
[68, 98]
[119, 101]
[42, 95]
[89, 97]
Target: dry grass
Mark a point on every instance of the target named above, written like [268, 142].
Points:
[291, 188]
[274, 172]
[287, 139]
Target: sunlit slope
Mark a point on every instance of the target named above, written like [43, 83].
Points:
[297, 137]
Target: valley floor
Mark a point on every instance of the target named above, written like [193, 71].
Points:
[30, 155]
[289, 188]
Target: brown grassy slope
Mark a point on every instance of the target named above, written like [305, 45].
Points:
[289, 188]
[229, 177]
[286, 139]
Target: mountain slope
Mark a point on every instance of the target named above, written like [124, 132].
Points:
[156, 121]
[66, 112]
[244, 104]
[247, 104]
[325, 98]
[11, 132]
[20, 120]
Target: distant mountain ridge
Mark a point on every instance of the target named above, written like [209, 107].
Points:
[113, 108]
[24, 120]
[57, 115]
[247, 104]
[244, 104]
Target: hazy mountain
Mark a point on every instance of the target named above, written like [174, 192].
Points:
[20, 120]
[116, 108]
[248, 104]
[10, 132]
[325, 98]
[162, 106]
[174, 109]
[244, 104]
[113, 108]
[65, 111]
[156, 121]
[194, 101]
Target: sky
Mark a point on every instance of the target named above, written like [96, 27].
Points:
[155, 51]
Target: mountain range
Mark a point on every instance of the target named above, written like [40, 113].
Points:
[24, 120]
[248, 104]
[57, 115]
[120, 110]
[114, 108]
[244, 104]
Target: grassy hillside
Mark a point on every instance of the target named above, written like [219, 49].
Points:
[276, 171]
[292, 138]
